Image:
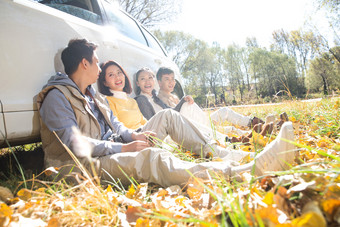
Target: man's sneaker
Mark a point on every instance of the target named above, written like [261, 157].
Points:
[279, 154]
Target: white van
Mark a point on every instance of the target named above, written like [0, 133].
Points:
[32, 35]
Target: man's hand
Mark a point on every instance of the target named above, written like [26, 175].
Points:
[135, 146]
[189, 99]
[144, 136]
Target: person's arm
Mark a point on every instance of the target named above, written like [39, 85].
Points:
[121, 130]
[187, 98]
[179, 105]
[57, 114]
[145, 106]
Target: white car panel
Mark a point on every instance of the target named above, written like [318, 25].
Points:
[32, 37]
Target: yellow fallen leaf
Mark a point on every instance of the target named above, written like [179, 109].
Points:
[109, 188]
[24, 194]
[5, 211]
[309, 219]
[259, 139]
[245, 148]
[5, 214]
[131, 192]
[180, 201]
[268, 214]
[269, 198]
[142, 222]
[292, 119]
[40, 190]
[53, 222]
[330, 206]
[162, 193]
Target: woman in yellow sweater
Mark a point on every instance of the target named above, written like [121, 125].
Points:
[115, 84]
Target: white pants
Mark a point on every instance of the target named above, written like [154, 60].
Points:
[202, 121]
[227, 114]
[155, 165]
[161, 166]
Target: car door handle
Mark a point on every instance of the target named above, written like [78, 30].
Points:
[110, 44]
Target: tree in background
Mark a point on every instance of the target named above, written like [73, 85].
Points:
[300, 45]
[332, 7]
[326, 68]
[233, 66]
[201, 65]
[179, 45]
[152, 12]
[275, 73]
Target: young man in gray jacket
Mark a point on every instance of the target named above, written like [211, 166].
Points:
[68, 102]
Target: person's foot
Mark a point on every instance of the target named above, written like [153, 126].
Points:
[270, 118]
[235, 140]
[245, 140]
[283, 119]
[279, 154]
[254, 121]
[284, 116]
[267, 129]
[258, 127]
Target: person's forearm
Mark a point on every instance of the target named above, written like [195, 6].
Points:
[102, 148]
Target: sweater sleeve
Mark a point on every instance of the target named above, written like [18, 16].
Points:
[145, 106]
[112, 106]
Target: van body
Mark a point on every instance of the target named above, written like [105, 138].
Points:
[33, 34]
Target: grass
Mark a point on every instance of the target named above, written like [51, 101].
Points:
[308, 193]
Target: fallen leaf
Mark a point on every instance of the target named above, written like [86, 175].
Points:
[49, 171]
[330, 206]
[132, 213]
[5, 211]
[309, 219]
[53, 222]
[142, 222]
[24, 194]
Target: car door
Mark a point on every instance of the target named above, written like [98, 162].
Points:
[32, 37]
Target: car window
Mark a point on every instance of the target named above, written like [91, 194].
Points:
[152, 42]
[123, 23]
[78, 8]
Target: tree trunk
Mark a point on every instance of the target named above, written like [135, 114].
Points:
[325, 90]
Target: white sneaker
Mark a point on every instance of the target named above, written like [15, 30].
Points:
[279, 154]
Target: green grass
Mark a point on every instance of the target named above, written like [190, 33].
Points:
[278, 197]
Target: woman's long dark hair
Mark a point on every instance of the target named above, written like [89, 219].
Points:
[144, 69]
[106, 90]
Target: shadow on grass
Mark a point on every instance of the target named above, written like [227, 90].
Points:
[30, 158]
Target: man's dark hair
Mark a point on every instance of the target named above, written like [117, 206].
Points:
[75, 52]
[163, 71]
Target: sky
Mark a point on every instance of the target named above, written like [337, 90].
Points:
[232, 21]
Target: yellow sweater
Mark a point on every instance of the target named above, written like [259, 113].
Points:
[127, 112]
